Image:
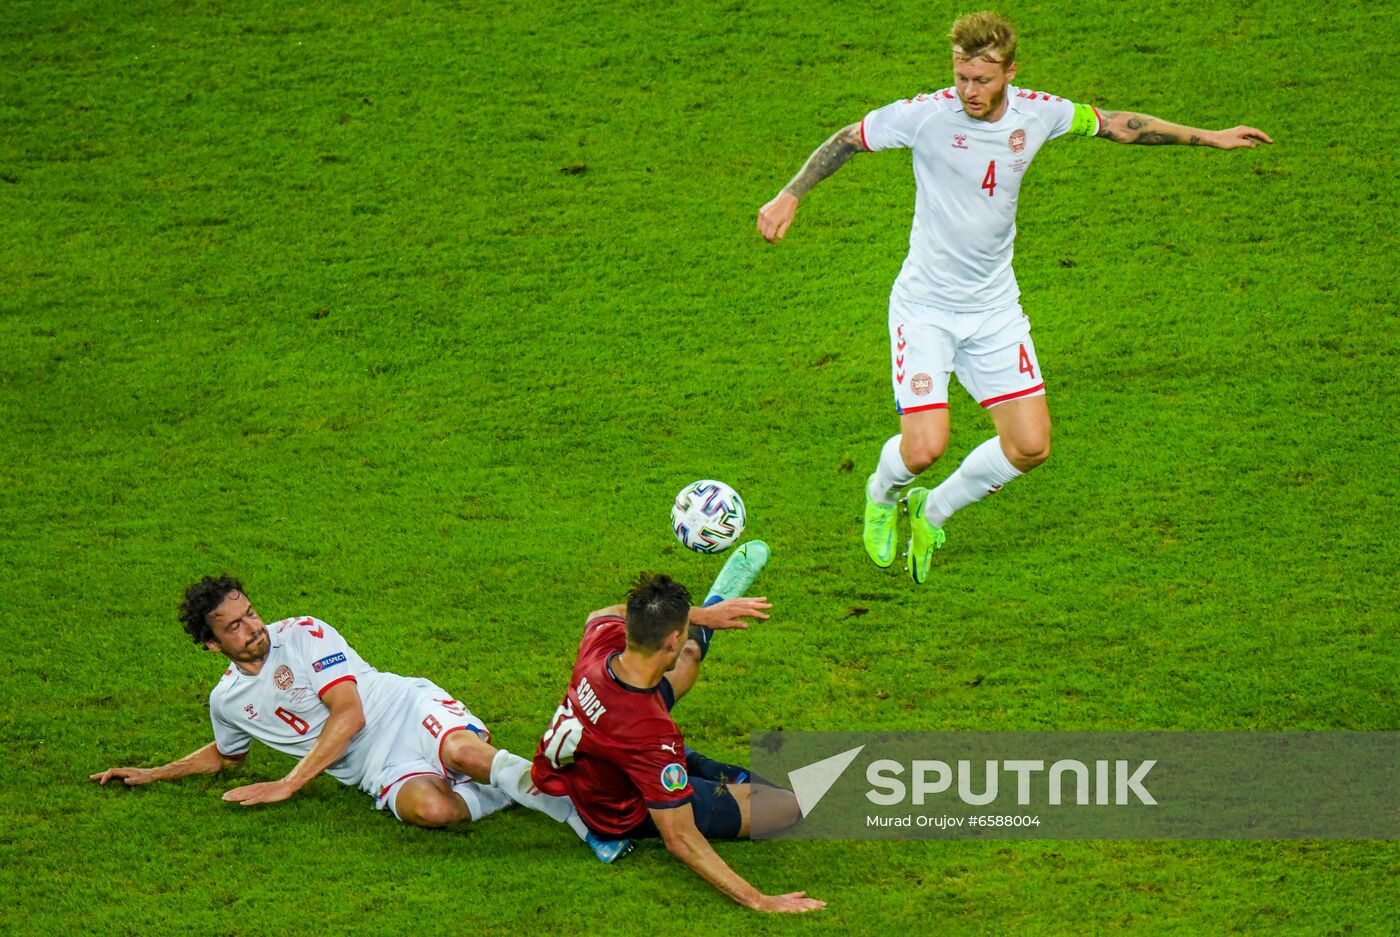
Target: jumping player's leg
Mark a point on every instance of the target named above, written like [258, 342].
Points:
[1022, 442]
[1023, 426]
[922, 355]
[998, 366]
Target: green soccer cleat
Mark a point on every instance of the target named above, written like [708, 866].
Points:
[739, 572]
[880, 530]
[924, 538]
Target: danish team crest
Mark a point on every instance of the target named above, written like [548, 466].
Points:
[1017, 141]
[673, 776]
[921, 384]
[283, 677]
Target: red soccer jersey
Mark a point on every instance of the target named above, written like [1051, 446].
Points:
[612, 748]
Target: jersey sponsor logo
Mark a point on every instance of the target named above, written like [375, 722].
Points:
[326, 663]
[1017, 141]
[921, 384]
[673, 776]
[252, 713]
[959, 141]
[670, 747]
[283, 677]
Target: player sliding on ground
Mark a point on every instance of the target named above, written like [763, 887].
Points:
[298, 687]
[955, 304]
[613, 747]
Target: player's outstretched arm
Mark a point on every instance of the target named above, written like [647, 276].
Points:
[776, 217]
[346, 719]
[1128, 127]
[685, 841]
[207, 760]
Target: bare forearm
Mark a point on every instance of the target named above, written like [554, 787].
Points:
[825, 160]
[1129, 127]
[206, 760]
[696, 852]
[336, 735]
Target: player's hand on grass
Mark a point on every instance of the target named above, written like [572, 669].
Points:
[264, 792]
[776, 217]
[1240, 136]
[131, 777]
[793, 903]
[731, 613]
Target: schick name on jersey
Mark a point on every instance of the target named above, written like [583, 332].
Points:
[588, 701]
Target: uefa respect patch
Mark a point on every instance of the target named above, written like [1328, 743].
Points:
[673, 776]
[326, 663]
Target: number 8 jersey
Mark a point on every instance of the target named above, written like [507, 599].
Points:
[281, 706]
[967, 174]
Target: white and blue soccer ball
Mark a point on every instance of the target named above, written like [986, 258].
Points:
[708, 516]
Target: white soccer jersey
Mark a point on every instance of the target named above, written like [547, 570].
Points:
[968, 178]
[281, 706]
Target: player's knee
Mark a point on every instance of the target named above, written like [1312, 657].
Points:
[919, 454]
[468, 753]
[772, 810]
[1026, 454]
[434, 812]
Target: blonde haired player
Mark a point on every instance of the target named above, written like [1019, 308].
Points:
[955, 306]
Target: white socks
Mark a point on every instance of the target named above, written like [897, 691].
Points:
[891, 476]
[511, 774]
[984, 471]
[481, 799]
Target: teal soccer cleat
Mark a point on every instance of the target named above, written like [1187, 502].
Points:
[739, 572]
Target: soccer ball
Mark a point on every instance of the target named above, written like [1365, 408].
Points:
[708, 516]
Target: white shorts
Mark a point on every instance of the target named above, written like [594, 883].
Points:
[428, 719]
[991, 353]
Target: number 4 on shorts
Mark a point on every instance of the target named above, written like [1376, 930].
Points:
[1026, 366]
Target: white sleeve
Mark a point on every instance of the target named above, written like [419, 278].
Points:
[894, 125]
[229, 739]
[322, 651]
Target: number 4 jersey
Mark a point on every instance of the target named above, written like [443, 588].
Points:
[281, 705]
[968, 176]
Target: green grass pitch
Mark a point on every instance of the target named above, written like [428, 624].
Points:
[416, 314]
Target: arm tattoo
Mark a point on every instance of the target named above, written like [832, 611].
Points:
[827, 158]
[1134, 130]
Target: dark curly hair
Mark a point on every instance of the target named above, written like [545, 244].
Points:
[201, 599]
[656, 607]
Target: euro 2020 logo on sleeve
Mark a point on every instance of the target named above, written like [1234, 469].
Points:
[673, 776]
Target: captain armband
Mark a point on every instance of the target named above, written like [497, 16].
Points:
[1086, 121]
